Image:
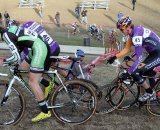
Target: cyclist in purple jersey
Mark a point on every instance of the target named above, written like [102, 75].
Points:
[141, 38]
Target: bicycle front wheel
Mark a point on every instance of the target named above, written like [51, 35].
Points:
[132, 93]
[76, 105]
[154, 106]
[12, 110]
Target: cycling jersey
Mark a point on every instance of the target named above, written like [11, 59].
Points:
[141, 37]
[35, 30]
[31, 35]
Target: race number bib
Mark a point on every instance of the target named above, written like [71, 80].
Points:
[46, 37]
[137, 40]
[30, 33]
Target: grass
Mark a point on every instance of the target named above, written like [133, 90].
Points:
[63, 37]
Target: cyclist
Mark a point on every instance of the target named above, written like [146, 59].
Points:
[76, 69]
[141, 38]
[75, 28]
[32, 35]
[93, 29]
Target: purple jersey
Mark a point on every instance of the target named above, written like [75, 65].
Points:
[35, 30]
[140, 40]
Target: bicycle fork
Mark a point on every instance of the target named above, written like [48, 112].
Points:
[8, 91]
[66, 90]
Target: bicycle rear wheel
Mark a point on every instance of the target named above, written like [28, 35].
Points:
[154, 106]
[75, 107]
[94, 87]
[13, 109]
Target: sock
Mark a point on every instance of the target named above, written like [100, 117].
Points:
[149, 90]
[44, 82]
[43, 106]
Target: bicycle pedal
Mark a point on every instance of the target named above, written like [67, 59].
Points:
[141, 104]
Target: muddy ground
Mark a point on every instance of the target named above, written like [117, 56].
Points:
[131, 119]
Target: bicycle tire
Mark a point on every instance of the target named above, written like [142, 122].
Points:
[95, 88]
[13, 110]
[114, 94]
[71, 112]
[132, 93]
[153, 106]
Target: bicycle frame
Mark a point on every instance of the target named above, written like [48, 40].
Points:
[18, 77]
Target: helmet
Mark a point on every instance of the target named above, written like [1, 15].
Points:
[124, 22]
[94, 25]
[80, 52]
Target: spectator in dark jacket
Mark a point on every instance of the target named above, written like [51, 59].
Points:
[7, 18]
[1, 26]
[57, 19]
[84, 16]
[134, 4]
[78, 11]
[1, 19]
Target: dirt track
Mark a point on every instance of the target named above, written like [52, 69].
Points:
[132, 119]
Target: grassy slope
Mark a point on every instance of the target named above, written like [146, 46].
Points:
[146, 14]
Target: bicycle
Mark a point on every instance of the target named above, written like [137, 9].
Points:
[104, 92]
[96, 33]
[71, 102]
[70, 75]
[132, 92]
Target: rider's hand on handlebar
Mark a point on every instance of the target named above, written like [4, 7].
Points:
[124, 76]
[112, 59]
[127, 58]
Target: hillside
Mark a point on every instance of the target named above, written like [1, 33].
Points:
[146, 13]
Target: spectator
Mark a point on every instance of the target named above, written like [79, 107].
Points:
[39, 7]
[1, 26]
[1, 32]
[1, 20]
[134, 4]
[7, 18]
[77, 11]
[84, 16]
[57, 19]
[119, 15]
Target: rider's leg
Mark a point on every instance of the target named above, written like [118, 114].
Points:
[37, 67]
[152, 81]
[34, 84]
[47, 64]
[142, 82]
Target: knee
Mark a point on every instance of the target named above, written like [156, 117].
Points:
[138, 78]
